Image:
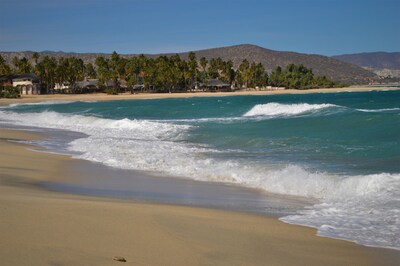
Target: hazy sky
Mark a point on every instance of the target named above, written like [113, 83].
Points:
[325, 27]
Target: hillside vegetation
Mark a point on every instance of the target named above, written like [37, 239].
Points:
[321, 65]
[161, 74]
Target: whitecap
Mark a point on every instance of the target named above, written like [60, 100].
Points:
[276, 109]
[378, 110]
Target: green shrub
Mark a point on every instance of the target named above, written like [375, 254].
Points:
[9, 92]
[110, 91]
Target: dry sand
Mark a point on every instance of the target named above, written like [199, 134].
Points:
[105, 97]
[40, 227]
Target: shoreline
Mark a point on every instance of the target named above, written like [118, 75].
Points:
[105, 97]
[45, 227]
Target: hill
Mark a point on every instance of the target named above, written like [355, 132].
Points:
[376, 60]
[321, 65]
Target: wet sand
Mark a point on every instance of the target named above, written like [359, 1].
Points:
[42, 227]
[128, 96]
[88, 178]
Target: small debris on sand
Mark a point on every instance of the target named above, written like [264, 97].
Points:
[120, 259]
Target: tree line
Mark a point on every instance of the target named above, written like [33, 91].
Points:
[163, 73]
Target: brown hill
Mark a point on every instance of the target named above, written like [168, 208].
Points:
[321, 65]
[376, 60]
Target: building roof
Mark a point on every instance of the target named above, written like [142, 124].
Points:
[87, 83]
[7, 78]
[24, 76]
[216, 83]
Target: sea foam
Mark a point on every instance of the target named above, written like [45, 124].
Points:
[363, 209]
[378, 110]
[274, 109]
[46, 103]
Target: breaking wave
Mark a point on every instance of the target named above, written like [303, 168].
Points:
[378, 110]
[277, 109]
[45, 103]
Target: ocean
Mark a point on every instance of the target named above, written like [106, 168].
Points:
[341, 150]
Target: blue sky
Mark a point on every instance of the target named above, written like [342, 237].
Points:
[325, 27]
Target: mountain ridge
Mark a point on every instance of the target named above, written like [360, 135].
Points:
[375, 60]
[321, 65]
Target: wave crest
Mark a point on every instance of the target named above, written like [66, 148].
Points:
[96, 126]
[378, 110]
[56, 102]
[275, 109]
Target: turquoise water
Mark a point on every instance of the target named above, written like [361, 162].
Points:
[359, 134]
[340, 148]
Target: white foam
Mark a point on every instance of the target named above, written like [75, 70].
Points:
[265, 111]
[378, 110]
[40, 103]
[274, 109]
[47, 103]
[363, 209]
[98, 127]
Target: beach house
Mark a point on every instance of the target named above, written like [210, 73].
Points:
[83, 86]
[87, 85]
[28, 83]
[62, 87]
[216, 85]
[6, 80]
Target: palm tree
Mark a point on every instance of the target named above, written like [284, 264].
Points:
[35, 57]
[22, 65]
[90, 72]
[178, 67]
[15, 62]
[228, 73]
[164, 77]
[75, 70]
[192, 71]
[213, 69]
[245, 74]
[25, 65]
[103, 70]
[203, 64]
[4, 67]
[47, 71]
[132, 71]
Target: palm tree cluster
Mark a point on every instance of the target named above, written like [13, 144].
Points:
[161, 74]
[49, 69]
[174, 74]
[300, 77]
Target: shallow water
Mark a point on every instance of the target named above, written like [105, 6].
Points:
[100, 180]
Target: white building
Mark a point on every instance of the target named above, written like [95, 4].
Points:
[62, 86]
[28, 83]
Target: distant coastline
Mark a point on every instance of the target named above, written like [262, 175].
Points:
[128, 96]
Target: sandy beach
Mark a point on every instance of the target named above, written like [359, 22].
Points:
[128, 96]
[41, 227]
